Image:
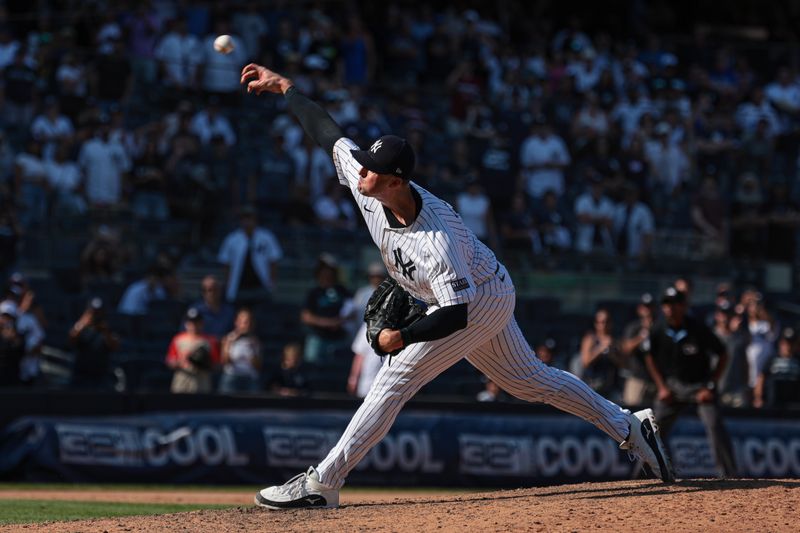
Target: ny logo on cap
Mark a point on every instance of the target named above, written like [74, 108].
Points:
[376, 146]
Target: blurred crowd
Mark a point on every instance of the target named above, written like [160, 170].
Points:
[759, 355]
[546, 137]
[550, 135]
[216, 346]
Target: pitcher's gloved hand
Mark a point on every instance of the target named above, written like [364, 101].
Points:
[389, 307]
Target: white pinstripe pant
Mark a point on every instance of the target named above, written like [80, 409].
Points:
[493, 343]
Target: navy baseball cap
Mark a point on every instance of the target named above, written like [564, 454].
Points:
[388, 155]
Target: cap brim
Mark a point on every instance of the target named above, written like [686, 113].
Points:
[364, 157]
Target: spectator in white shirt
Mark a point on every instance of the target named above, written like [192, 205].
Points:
[29, 163]
[543, 156]
[71, 76]
[668, 161]
[250, 255]
[241, 356]
[334, 209]
[31, 331]
[475, 209]
[757, 108]
[590, 122]
[633, 225]
[313, 166]
[108, 33]
[210, 122]
[365, 366]
[219, 73]
[65, 180]
[178, 54]
[784, 94]
[103, 162]
[51, 127]
[594, 212]
[628, 112]
[172, 122]
[250, 24]
[342, 106]
[585, 70]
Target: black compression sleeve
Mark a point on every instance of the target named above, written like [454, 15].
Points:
[317, 123]
[437, 325]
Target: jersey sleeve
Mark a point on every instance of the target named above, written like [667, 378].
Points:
[347, 168]
[450, 278]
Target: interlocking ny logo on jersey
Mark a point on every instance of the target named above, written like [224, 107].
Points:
[376, 146]
[407, 269]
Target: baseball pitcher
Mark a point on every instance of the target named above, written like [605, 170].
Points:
[431, 254]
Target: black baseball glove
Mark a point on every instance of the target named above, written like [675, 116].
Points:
[392, 307]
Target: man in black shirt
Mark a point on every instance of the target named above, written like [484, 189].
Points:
[328, 307]
[680, 363]
[93, 342]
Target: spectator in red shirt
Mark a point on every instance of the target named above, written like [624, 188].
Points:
[193, 355]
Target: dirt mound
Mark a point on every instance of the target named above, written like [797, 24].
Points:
[688, 505]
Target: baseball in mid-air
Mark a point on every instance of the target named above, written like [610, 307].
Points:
[223, 44]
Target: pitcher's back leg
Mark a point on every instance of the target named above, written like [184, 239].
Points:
[509, 361]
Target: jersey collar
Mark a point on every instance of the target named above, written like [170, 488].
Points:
[392, 220]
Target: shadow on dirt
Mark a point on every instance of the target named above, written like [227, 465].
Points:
[681, 486]
[642, 488]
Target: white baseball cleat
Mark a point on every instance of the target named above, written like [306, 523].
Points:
[303, 491]
[644, 442]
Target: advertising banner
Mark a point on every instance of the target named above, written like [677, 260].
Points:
[422, 448]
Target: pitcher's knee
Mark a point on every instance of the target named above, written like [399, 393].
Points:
[532, 390]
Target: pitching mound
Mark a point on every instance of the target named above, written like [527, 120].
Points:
[689, 505]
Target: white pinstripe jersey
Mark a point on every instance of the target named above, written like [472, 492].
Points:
[437, 258]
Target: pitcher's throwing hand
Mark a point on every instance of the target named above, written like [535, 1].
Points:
[262, 80]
